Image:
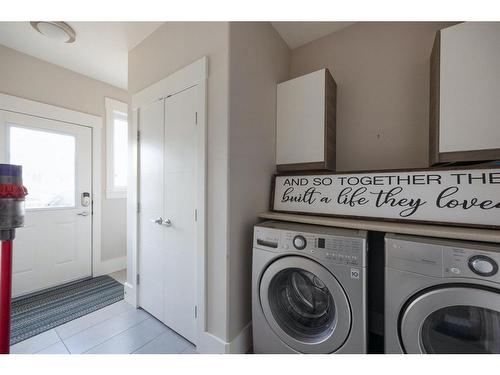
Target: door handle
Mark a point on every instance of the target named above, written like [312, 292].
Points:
[162, 221]
[157, 221]
[84, 213]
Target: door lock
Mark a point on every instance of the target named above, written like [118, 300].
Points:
[85, 199]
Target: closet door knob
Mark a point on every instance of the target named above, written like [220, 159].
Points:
[162, 221]
[158, 221]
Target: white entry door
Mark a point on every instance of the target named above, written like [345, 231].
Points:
[168, 186]
[54, 246]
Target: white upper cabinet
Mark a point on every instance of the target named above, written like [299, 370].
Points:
[306, 111]
[465, 93]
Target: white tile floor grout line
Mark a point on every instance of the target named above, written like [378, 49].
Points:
[60, 338]
[119, 333]
[45, 347]
[93, 325]
[154, 338]
[162, 333]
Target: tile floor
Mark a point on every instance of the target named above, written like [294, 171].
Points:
[116, 329]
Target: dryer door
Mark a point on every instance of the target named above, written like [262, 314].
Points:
[452, 320]
[305, 305]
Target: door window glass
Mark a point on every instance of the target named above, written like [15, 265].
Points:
[462, 329]
[48, 161]
[302, 305]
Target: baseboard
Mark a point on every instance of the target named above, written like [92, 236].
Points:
[130, 294]
[210, 344]
[109, 266]
[241, 344]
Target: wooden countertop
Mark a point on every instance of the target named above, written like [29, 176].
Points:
[471, 234]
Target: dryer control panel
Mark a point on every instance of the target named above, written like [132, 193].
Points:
[443, 258]
[336, 245]
[462, 262]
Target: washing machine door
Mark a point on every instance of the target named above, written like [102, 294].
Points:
[305, 305]
[452, 320]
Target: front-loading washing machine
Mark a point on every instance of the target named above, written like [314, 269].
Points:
[309, 289]
[441, 296]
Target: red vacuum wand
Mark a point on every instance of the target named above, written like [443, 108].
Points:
[5, 296]
[12, 193]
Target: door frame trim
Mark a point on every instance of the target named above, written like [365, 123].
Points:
[51, 112]
[195, 74]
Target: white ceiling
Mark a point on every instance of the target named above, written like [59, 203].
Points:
[100, 50]
[296, 34]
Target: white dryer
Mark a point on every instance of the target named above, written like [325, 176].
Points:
[309, 289]
[441, 296]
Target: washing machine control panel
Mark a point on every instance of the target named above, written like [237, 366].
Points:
[459, 262]
[332, 248]
[341, 250]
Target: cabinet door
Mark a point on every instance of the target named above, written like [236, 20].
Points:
[306, 122]
[300, 120]
[467, 89]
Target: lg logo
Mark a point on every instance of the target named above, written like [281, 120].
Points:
[354, 273]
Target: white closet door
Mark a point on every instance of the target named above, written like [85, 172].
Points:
[167, 219]
[151, 193]
[167, 228]
[180, 205]
[55, 245]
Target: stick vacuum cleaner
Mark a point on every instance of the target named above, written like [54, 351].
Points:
[12, 193]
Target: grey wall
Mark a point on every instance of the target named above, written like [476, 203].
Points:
[30, 78]
[258, 60]
[382, 75]
[168, 49]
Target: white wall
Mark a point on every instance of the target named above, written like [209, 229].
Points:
[258, 59]
[30, 78]
[168, 49]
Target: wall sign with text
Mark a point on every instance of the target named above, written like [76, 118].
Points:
[460, 197]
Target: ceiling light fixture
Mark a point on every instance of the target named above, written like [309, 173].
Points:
[59, 31]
